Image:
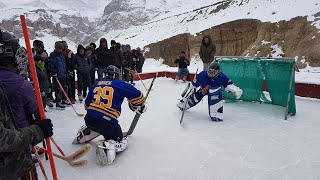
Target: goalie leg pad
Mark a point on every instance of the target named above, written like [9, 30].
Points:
[84, 135]
[191, 101]
[106, 152]
[215, 104]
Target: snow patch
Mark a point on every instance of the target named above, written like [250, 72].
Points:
[276, 51]
[264, 42]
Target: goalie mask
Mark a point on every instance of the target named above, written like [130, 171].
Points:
[112, 72]
[213, 70]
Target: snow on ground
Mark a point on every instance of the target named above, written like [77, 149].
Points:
[253, 141]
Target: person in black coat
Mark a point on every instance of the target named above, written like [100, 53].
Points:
[183, 66]
[82, 65]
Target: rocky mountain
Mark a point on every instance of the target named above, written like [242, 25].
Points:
[239, 27]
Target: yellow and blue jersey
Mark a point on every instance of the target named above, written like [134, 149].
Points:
[105, 98]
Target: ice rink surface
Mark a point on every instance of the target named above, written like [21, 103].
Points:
[253, 141]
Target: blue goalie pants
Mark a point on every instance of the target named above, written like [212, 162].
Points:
[215, 104]
[110, 129]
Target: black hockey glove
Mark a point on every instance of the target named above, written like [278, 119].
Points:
[141, 109]
[46, 127]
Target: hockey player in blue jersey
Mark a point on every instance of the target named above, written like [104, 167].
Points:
[103, 105]
[209, 83]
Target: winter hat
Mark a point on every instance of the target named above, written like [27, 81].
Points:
[80, 47]
[58, 45]
[93, 45]
[113, 42]
[103, 40]
[44, 55]
[37, 43]
[89, 48]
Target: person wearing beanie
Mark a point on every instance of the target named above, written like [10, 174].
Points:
[113, 43]
[116, 55]
[70, 80]
[57, 62]
[82, 65]
[94, 46]
[104, 58]
[42, 79]
[139, 60]
[92, 60]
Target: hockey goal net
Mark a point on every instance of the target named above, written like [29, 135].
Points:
[251, 74]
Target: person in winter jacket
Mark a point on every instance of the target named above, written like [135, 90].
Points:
[207, 51]
[82, 65]
[92, 60]
[183, 66]
[116, 54]
[20, 125]
[16, 163]
[104, 57]
[140, 60]
[42, 78]
[39, 51]
[94, 46]
[70, 76]
[126, 62]
[57, 60]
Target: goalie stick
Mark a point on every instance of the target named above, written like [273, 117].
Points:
[137, 116]
[75, 156]
[185, 94]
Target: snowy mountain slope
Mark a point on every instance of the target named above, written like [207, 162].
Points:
[178, 21]
[141, 22]
[84, 8]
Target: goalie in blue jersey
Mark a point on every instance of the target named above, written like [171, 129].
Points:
[209, 83]
[103, 105]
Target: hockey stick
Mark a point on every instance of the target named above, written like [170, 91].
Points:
[137, 116]
[188, 96]
[140, 79]
[59, 149]
[73, 157]
[40, 163]
[64, 92]
[135, 73]
[72, 163]
[37, 91]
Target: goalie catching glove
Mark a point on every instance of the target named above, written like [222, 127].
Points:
[140, 109]
[235, 90]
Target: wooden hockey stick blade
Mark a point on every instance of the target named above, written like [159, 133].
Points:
[71, 163]
[78, 163]
[76, 155]
[80, 114]
[80, 153]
